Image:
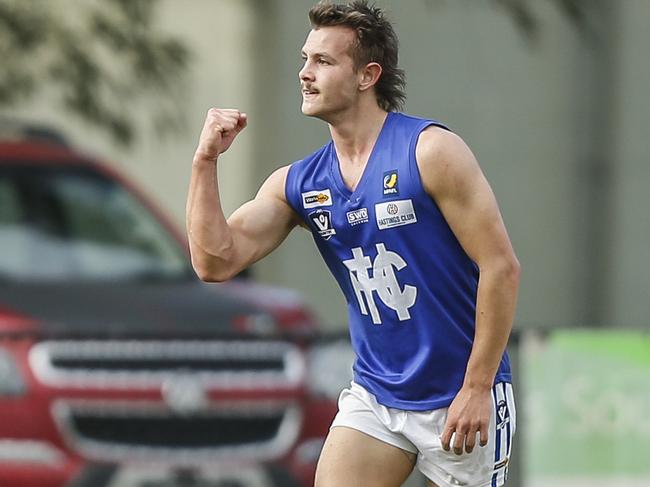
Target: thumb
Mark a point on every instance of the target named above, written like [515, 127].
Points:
[241, 122]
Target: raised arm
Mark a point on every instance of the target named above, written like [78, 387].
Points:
[220, 247]
[452, 177]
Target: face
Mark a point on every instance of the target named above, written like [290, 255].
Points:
[328, 81]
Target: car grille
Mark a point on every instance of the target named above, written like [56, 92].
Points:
[187, 425]
[182, 432]
[146, 364]
[134, 431]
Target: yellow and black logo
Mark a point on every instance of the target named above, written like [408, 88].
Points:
[319, 198]
[312, 199]
[390, 183]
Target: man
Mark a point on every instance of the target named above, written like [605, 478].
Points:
[410, 229]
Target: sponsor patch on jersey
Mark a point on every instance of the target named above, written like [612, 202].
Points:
[395, 214]
[355, 217]
[322, 220]
[312, 199]
[390, 183]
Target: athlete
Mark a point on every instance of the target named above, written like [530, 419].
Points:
[410, 229]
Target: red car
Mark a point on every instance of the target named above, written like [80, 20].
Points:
[118, 367]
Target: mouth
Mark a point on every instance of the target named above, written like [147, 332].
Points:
[308, 93]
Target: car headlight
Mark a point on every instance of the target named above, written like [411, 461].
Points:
[330, 367]
[260, 324]
[11, 382]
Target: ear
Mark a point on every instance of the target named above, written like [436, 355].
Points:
[369, 75]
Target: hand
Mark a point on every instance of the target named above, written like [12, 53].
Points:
[219, 130]
[468, 414]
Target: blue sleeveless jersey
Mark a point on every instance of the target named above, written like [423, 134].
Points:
[409, 285]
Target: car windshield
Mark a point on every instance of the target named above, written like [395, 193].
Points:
[68, 222]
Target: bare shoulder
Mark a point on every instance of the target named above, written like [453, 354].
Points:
[445, 161]
[273, 186]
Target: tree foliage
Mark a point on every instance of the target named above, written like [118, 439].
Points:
[103, 61]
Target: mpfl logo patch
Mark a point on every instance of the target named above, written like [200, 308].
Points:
[322, 220]
[356, 217]
[321, 197]
[390, 183]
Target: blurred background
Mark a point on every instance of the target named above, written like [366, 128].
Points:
[550, 95]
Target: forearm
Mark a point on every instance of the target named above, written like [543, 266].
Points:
[209, 236]
[495, 310]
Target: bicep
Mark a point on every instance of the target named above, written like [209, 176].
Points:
[261, 224]
[453, 178]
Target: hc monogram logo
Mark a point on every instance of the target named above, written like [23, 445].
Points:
[383, 281]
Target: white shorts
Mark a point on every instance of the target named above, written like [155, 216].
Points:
[419, 432]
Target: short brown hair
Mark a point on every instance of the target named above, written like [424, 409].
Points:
[376, 41]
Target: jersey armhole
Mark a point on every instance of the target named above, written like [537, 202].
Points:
[290, 193]
[414, 169]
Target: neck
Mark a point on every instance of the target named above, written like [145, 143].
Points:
[355, 133]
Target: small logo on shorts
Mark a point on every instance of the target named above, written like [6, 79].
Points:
[390, 183]
[503, 416]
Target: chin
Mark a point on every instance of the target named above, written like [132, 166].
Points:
[309, 110]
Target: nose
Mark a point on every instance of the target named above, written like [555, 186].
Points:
[305, 73]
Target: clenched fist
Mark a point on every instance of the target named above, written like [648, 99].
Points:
[219, 130]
